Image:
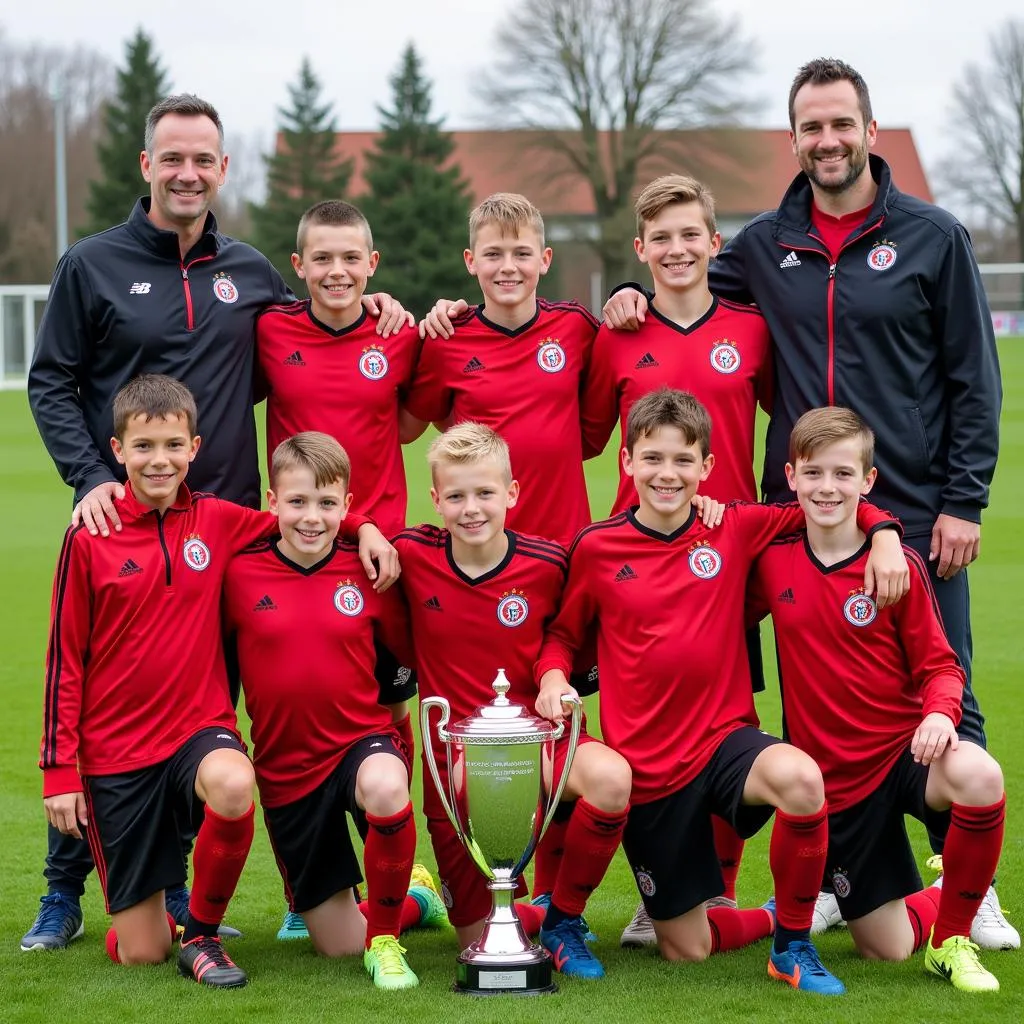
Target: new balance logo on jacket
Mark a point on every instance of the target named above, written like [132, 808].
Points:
[130, 568]
[473, 366]
[792, 260]
[626, 573]
[646, 362]
[265, 604]
[295, 359]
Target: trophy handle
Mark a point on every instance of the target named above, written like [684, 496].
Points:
[428, 751]
[574, 737]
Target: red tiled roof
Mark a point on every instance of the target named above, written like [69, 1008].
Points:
[748, 169]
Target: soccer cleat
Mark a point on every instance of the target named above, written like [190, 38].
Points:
[800, 967]
[769, 908]
[957, 960]
[826, 914]
[989, 930]
[386, 965]
[205, 960]
[569, 950]
[58, 923]
[543, 899]
[433, 913]
[640, 931]
[720, 901]
[292, 927]
[176, 902]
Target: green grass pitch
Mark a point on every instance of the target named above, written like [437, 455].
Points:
[289, 983]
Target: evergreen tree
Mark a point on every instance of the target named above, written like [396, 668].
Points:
[303, 170]
[141, 84]
[417, 206]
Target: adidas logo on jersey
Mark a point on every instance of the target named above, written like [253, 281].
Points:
[786, 597]
[130, 568]
[646, 362]
[792, 260]
[432, 604]
[265, 604]
[295, 359]
[473, 366]
[626, 573]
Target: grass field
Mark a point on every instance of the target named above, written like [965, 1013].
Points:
[289, 983]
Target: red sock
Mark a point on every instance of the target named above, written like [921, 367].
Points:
[548, 858]
[969, 859]
[729, 847]
[922, 909]
[406, 738]
[796, 856]
[111, 940]
[387, 860]
[531, 917]
[411, 913]
[733, 929]
[221, 848]
[590, 843]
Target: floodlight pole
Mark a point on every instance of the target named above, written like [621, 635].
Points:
[60, 161]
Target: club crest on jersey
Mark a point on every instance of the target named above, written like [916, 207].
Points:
[513, 608]
[550, 356]
[196, 553]
[704, 561]
[348, 598]
[859, 608]
[645, 883]
[224, 288]
[882, 255]
[841, 883]
[725, 356]
[373, 364]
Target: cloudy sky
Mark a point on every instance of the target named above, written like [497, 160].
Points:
[241, 57]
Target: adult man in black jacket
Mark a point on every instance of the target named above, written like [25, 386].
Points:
[875, 302]
[165, 292]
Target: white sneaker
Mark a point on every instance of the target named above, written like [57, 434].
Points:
[640, 931]
[826, 914]
[989, 929]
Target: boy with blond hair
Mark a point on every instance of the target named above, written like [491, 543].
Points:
[666, 595]
[892, 674]
[302, 623]
[485, 591]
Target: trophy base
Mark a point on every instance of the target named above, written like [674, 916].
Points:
[512, 979]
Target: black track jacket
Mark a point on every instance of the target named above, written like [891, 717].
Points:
[123, 302]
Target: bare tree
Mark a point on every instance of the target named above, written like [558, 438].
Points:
[599, 81]
[986, 171]
[246, 183]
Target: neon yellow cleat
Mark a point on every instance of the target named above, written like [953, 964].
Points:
[957, 960]
[386, 964]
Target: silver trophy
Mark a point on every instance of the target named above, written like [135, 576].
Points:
[497, 804]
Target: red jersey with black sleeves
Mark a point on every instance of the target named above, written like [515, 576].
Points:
[669, 612]
[346, 383]
[311, 644]
[724, 359]
[525, 384]
[856, 680]
[135, 664]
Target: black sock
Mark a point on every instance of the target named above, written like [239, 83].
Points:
[555, 917]
[194, 928]
[784, 936]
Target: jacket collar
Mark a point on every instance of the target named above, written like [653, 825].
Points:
[131, 506]
[795, 209]
[165, 243]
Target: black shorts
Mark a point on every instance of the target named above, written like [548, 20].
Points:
[870, 860]
[136, 820]
[310, 836]
[670, 844]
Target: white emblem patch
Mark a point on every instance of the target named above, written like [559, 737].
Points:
[373, 364]
[513, 609]
[841, 884]
[705, 562]
[725, 357]
[551, 356]
[348, 599]
[224, 288]
[860, 610]
[197, 554]
[882, 256]
[645, 883]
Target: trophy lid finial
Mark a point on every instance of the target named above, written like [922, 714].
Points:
[501, 687]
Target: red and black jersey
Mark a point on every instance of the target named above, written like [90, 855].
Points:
[345, 383]
[669, 611]
[525, 384]
[724, 359]
[856, 680]
[135, 664]
[309, 644]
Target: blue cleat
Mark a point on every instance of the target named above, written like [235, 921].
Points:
[769, 907]
[801, 968]
[292, 927]
[58, 923]
[543, 899]
[569, 951]
[176, 902]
